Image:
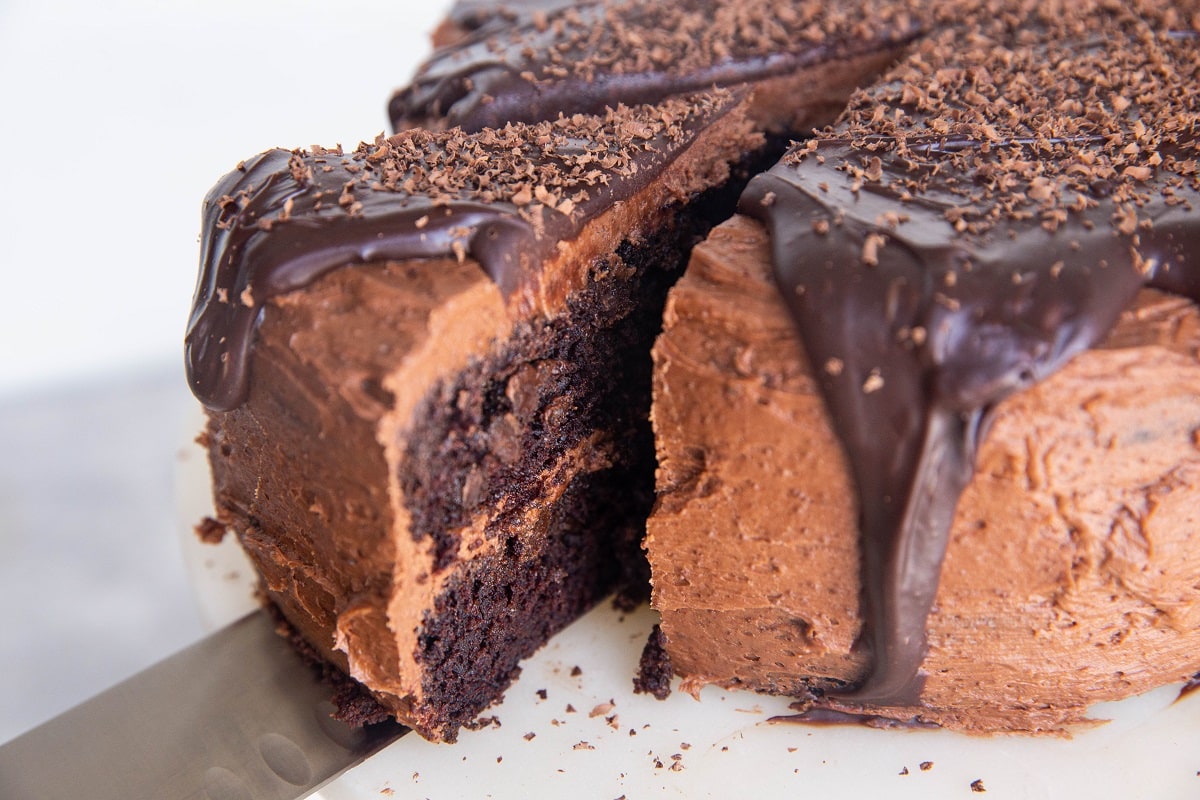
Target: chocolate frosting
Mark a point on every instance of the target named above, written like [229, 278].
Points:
[505, 198]
[565, 58]
[972, 223]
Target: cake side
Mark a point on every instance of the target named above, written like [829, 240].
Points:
[978, 219]
[1070, 577]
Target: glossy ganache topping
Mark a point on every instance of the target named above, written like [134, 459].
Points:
[472, 15]
[972, 222]
[502, 197]
[561, 57]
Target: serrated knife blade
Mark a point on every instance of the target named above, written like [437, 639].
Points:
[236, 716]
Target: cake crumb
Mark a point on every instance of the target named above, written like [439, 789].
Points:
[576, 671]
[570, 709]
[654, 667]
[541, 693]
[977, 786]
[482, 722]
[903, 771]
[209, 531]
[529, 736]
[583, 746]
[601, 709]
[926, 766]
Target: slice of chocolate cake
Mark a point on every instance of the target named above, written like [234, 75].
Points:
[427, 373]
[959, 325]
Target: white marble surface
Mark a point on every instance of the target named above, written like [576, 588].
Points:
[115, 119]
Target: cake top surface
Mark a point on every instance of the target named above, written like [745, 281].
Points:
[975, 219]
[564, 58]
[1009, 119]
[504, 197]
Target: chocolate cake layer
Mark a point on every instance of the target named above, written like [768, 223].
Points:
[427, 403]
[973, 223]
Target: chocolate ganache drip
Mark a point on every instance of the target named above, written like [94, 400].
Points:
[503, 197]
[974, 221]
[563, 58]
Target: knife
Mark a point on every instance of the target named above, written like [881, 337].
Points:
[236, 716]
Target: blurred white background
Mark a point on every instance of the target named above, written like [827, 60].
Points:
[115, 119]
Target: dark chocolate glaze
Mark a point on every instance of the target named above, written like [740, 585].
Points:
[283, 219]
[912, 411]
[573, 59]
[1189, 688]
[239, 253]
[472, 15]
[819, 715]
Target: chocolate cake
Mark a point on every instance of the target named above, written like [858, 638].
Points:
[427, 361]
[960, 324]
